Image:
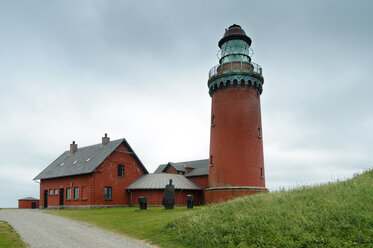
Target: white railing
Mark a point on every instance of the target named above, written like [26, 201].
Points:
[253, 68]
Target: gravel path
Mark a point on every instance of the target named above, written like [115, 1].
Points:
[39, 229]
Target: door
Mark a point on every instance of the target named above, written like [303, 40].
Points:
[45, 198]
[62, 191]
[33, 205]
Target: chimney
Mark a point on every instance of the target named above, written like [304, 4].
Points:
[73, 147]
[105, 139]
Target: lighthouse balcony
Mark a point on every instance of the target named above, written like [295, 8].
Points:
[235, 67]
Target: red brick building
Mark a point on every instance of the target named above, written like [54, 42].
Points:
[111, 174]
[196, 171]
[28, 202]
[95, 175]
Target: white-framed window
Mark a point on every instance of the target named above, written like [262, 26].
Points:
[68, 194]
[76, 193]
[55, 191]
[107, 196]
[51, 192]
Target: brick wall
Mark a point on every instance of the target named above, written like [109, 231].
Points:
[27, 203]
[155, 196]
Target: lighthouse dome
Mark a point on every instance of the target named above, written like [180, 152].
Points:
[234, 32]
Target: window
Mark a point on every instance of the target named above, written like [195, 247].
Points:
[211, 160]
[68, 194]
[51, 192]
[261, 173]
[213, 121]
[56, 192]
[120, 170]
[107, 194]
[76, 193]
[259, 133]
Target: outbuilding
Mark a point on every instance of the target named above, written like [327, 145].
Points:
[28, 202]
[152, 187]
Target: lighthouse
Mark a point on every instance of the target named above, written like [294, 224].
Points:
[236, 163]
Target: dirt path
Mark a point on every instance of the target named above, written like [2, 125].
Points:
[39, 229]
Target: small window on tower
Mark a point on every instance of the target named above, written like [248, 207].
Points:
[213, 121]
[261, 173]
[211, 160]
[259, 133]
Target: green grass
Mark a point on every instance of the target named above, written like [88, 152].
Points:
[338, 214]
[130, 221]
[332, 215]
[9, 237]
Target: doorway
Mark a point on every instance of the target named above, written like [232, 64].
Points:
[62, 191]
[33, 205]
[45, 198]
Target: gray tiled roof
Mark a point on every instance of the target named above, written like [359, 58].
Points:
[159, 181]
[85, 160]
[160, 168]
[204, 171]
[29, 199]
[200, 167]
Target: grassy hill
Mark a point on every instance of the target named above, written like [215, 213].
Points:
[338, 214]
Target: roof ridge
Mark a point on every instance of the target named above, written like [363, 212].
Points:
[84, 147]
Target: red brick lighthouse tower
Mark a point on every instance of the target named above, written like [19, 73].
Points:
[236, 145]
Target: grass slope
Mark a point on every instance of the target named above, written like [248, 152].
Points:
[9, 237]
[332, 215]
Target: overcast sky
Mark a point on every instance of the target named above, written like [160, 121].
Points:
[74, 70]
